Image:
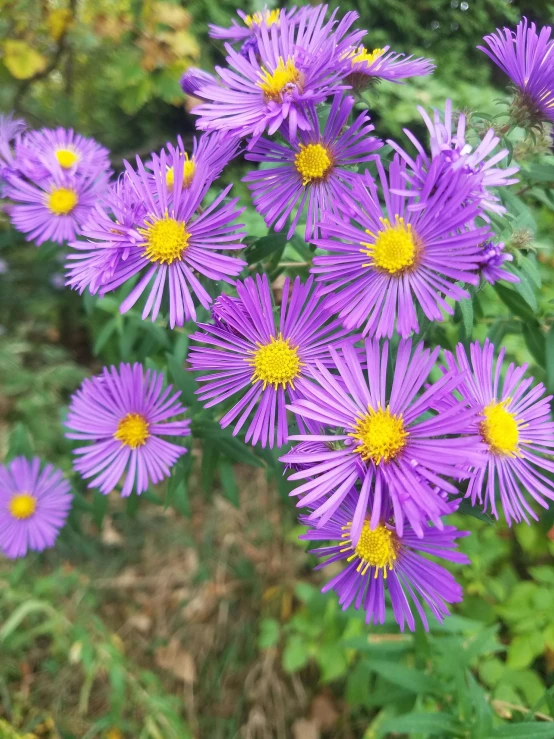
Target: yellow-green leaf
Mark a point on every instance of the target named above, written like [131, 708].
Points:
[22, 60]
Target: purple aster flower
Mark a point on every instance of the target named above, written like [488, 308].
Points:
[362, 67]
[385, 435]
[170, 242]
[450, 148]
[34, 505]
[527, 57]
[250, 25]
[124, 413]
[380, 262]
[252, 351]
[10, 129]
[46, 152]
[491, 264]
[194, 79]
[54, 209]
[385, 558]
[514, 421]
[315, 169]
[297, 66]
[212, 150]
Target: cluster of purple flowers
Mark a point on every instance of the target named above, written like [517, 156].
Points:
[388, 436]
[52, 179]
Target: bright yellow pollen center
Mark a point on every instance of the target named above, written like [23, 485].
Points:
[273, 83]
[361, 54]
[166, 240]
[22, 506]
[62, 200]
[381, 435]
[500, 429]
[394, 249]
[189, 169]
[377, 548]
[132, 430]
[276, 363]
[312, 162]
[66, 158]
[270, 17]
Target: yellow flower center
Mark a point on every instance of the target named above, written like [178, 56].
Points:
[189, 169]
[377, 548]
[62, 200]
[276, 363]
[270, 17]
[499, 429]
[66, 157]
[22, 506]
[132, 430]
[361, 54]
[312, 162]
[274, 83]
[166, 240]
[394, 249]
[381, 435]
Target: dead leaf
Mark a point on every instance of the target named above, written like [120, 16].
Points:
[304, 728]
[324, 712]
[178, 661]
[141, 622]
[58, 22]
[181, 43]
[171, 15]
[110, 536]
[22, 60]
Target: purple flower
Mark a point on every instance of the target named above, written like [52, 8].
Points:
[124, 413]
[34, 505]
[10, 129]
[450, 149]
[383, 435]
[386, 558]
[363, 66]
[252, 23]
[46, 152]
[380, 262]
[297, 66]
[314, 170]
[527, 58]
[213, 151]
[54, 209]
[252, 351]
[514, 421]
[166, 238]
[491, 263]
[194, 78]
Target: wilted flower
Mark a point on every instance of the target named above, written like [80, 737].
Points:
[362, 67]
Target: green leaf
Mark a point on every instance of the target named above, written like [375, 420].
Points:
[20, 613]
[331, 659]
[104, 336]
[535, 342]
[269, 633]
[265, 247]
[428, 724]
[466, 309]
[517, 305]
[549, 352]
[183, 381]
[228, 482]
[466, 507]
[526, 730]
[20, 444]
[295, 654]
[99, 507]
[523, 650]
[405, 677]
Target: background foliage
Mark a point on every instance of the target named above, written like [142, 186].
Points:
[194, 610]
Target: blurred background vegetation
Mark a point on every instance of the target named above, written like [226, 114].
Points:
[194, 611]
